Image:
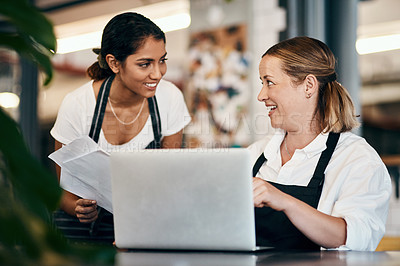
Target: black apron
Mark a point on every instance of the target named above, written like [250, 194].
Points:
[273, 228]
[102, 230]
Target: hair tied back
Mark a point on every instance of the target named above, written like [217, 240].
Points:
[102, 62]
[332, 77]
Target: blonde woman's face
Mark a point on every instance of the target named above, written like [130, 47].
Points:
[286, 101]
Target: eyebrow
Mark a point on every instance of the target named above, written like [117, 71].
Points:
[265, 77]
[150, 59]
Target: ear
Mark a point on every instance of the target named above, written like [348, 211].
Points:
[113, 63]
[311, 86]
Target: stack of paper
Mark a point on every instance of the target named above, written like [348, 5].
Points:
[85, 170]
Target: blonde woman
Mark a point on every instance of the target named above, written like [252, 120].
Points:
[315, 183]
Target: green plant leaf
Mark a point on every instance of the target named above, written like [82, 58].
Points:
[29, 193]
[33, 38]
[27, 19]
[31, 50]
[22, 167]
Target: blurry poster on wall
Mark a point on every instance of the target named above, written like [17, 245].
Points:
[218, 88]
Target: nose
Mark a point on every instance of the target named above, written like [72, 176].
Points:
[263, 95]
[157, 72]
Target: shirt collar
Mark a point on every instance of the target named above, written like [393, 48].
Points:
[271, 151]
[315, 147]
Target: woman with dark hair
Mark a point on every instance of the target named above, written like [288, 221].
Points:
[127, 106]
[315, 183]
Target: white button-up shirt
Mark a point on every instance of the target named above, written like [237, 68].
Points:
[357, 184]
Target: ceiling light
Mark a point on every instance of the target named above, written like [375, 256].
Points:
[378, 44]
[93, 39]
[174, 22]
[9, 100]
[79, 42]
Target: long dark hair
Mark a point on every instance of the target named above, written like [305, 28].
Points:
[123, 35]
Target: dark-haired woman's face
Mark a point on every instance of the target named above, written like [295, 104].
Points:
[143, 70]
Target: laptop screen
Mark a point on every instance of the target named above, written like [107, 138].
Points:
[197, 199]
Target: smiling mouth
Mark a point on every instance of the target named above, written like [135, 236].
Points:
[271, 107]
[151, 85]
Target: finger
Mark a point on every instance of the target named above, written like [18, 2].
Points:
[87, 216]
[85, 206]
[88, 220]
[257, 179]
[90, 214]
[258, 182]
[85, 210]
[259, 189]
[86, 202]
[258, 203]
[256, 191]
[256, 187]
[260, 195]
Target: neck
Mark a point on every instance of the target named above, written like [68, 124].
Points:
[303, 131]
[296, 140]
[120, 95]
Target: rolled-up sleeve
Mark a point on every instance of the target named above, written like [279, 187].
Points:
[363, 203]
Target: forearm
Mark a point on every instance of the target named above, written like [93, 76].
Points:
[323, 229]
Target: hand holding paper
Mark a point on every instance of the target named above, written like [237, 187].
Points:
[85, 171]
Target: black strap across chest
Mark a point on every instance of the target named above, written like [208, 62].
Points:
[273, 228]
[319, 172]
[100, 108]
[102, 230]
[104, 221]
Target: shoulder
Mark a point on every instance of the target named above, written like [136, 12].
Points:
[74, 113]
[167, 90]
[356, 162]
[80, 95]
[169, 98]
[355, 146]
[173, 110]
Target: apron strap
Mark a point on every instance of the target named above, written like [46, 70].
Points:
[94, 133]
[319, 173]
[156, 123]
[260, 161]
[273, 228]
[93, 229]
[100, 108]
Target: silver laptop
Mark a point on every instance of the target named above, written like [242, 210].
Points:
[183, 199]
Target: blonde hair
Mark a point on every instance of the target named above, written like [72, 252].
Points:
[301, 56]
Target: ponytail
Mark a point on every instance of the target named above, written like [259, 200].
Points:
[336, 109]
[99, 70]
[97, 73]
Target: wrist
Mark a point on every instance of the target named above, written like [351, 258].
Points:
[288, 203]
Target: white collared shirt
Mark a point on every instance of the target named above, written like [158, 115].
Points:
[357, 184]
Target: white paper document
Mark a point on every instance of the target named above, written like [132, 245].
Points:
[85, 170]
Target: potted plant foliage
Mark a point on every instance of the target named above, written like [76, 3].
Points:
[29, 192]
